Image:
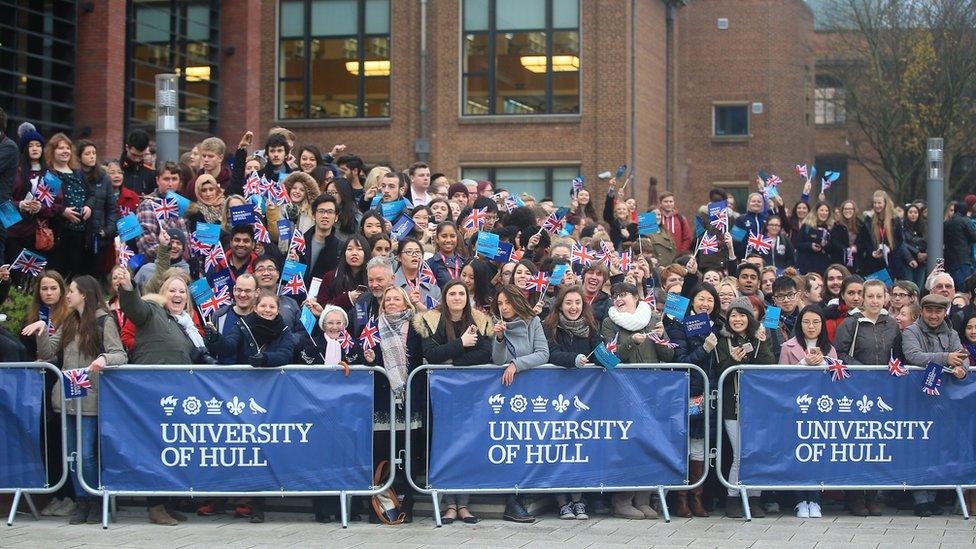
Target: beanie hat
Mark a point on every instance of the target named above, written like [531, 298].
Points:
[743, 305]
[177, 234]
[26, 133]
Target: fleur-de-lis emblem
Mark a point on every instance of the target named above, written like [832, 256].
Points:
[865, 404]
[560, 403]
[235, 405]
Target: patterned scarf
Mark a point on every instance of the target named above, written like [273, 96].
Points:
[393, 343]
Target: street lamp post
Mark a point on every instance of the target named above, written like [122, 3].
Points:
[935, 195]
[167, 118]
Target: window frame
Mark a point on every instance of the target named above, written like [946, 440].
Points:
[834, 108]
[491, 73]
[720, 104]
[733, 186]
[549, 183]
[306, 38]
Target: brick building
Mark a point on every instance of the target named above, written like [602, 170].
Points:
[528, 93]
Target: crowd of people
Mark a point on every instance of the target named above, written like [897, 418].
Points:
[388, 262]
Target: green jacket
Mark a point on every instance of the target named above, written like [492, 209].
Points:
[762, 354]
[631, 352]
[159, 338]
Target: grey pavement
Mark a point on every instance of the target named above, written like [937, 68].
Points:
[298, 530]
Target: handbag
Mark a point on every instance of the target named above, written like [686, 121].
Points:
[43, 236]
[386, 504]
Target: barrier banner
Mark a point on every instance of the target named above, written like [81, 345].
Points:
[21, 436]
[558, 428]
[800, 428]
[236, 430]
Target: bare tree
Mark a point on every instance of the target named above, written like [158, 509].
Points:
[909, 73]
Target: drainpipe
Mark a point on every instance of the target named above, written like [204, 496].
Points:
[421, 147]
[633, 91]
[669, 98]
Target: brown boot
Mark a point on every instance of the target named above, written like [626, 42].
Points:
[756, 508]
[871, 502]
[642, 501]
[733, 507]
[623, 506]
[681, 508]
[855, 503]
[158, 515]
[695, 468]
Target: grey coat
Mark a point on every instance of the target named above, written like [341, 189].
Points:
[860, 341]
[527, 339]
[922, 344]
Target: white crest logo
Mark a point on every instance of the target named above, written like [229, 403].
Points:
[844, 404]
[865, 404]
[883, 406]
[496, 401]
[825, 403]
[235, 406]
[214, 406]
[804, 401]
[169, 404]
[518, 403]
[579, 405]
[191, 406]
[560, 404]
[254, 407]
[539, 404]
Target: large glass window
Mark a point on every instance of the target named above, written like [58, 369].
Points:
[174, 36]
[334, 59]
[521, 57]
[828, 102]
[37, 64]
[538, 181]
[731, 120]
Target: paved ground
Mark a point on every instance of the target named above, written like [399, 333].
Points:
[298, 530]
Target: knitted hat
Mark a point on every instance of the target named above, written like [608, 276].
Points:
[177, 234]
[743, 305]
[26, 133]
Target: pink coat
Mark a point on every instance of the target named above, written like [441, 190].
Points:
[793, 352]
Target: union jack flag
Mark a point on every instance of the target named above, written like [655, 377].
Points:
[849, 257]
[345, 340]
[261, 233]
[801, 170]
[264, 185]
[477, 218]
[720, 221]
[708, 244]
[895, 368]
[123, 211]
[581, 255]
[123, 254]
[538, 282]
[430, 302]
[511, 203]
[760, 243]
[44, 194]
[370, 335]
[427, 274]
[79, 378]
[253, 184]
[837, 369]
[29, 262]
[626, 259]
[517, 255]
[553, 223]
[650, 299]
[773, 181]
[612, 344]
[199, 247]
[578, 184]
[294, 286]
[215, 259]
[217, 299]
[661, 341]
[166, 208]
[278, 195]
[297, 242]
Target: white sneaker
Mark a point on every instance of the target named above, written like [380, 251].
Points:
[65, 509]
[803, 510]
[814, 510]
[51, 507]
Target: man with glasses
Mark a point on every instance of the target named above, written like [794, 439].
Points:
[786, 297]
[267, 273]
[245, 290]
[322, 246]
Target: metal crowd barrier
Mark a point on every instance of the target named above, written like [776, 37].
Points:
[26, 491]
[661, 490]
[743, 489]
[344, 495]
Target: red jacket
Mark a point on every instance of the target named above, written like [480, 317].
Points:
[677, 225]
[128, 201]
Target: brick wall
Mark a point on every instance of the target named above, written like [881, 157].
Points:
[99, 89]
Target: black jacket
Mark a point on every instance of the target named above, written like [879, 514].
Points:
[867, 264]
[9, 157]
[327, 260]
[137, 176]
[959, 239]
[437, 350]
[564, 346]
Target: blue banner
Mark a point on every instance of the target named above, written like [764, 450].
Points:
[558, 428]
[801, 428]
[21, 399]
[236, 430]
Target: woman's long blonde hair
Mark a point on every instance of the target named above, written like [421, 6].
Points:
[885, 221]
[811, 219]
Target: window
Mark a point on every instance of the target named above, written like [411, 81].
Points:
[334, 59]
[521, 57]
[738, 191]
[538, 181]
[174, 37]
[829, 102]
[37, 65]
[731, 120]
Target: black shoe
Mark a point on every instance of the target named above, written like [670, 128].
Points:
[257, 517]
[935, 509]
[598, 506]
[353, 517]
[322, 518]
[515, 512]
[95, 512]
[922, 510]
[80, 514]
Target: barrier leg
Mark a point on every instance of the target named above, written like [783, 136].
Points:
[114, 505]
[105, 505]
[343, 510]
[745, 504]
[13, 508]
[437, 507]
[962, 503]
[30, 505]
[664, 504]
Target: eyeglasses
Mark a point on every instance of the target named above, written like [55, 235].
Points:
[266, 269]
[781, 297]
[325, 212]
[620, 295]
[813, 322]
[411, 252]
[900, 294]
[238, 290]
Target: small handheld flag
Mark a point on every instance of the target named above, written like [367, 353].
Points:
[708, 244]
[932, 379]
[537, 282]
[370, 335]
[29, 262]
[837, 369]
[895, 368]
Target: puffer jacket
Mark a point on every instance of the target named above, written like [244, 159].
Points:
[239, 345]
[860, 341]
[922, 344]
[438, 350]
[564, 346]
[762, 353]
[159, 337]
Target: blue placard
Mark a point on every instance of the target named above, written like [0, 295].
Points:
[696, 325]
[676, 306]
[74, 390]
[558, 273]
[200, 290]
[22, 398]
[487, 245]
[136, 261]
[621, 170]
[208, 233]
[799, 428]
[558, 429]
[308, 319]
[236, 430]
[129, 227]
[567, 229]
[604, 357]
[647, 223]
[391, 210]
[717, 207]
[9, 215]
[242, 215]
[738, 233]
[53, 183]
[257, 203]
[771, 320]
[881, 275]
[221, 279]
[181, 201]
[504, 254]
[285, 228]
[401, 229]
[292, 268]
[699, 230]
[772, 192]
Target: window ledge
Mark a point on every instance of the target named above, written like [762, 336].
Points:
[521, 119]
[731, 138]
[333, 122]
